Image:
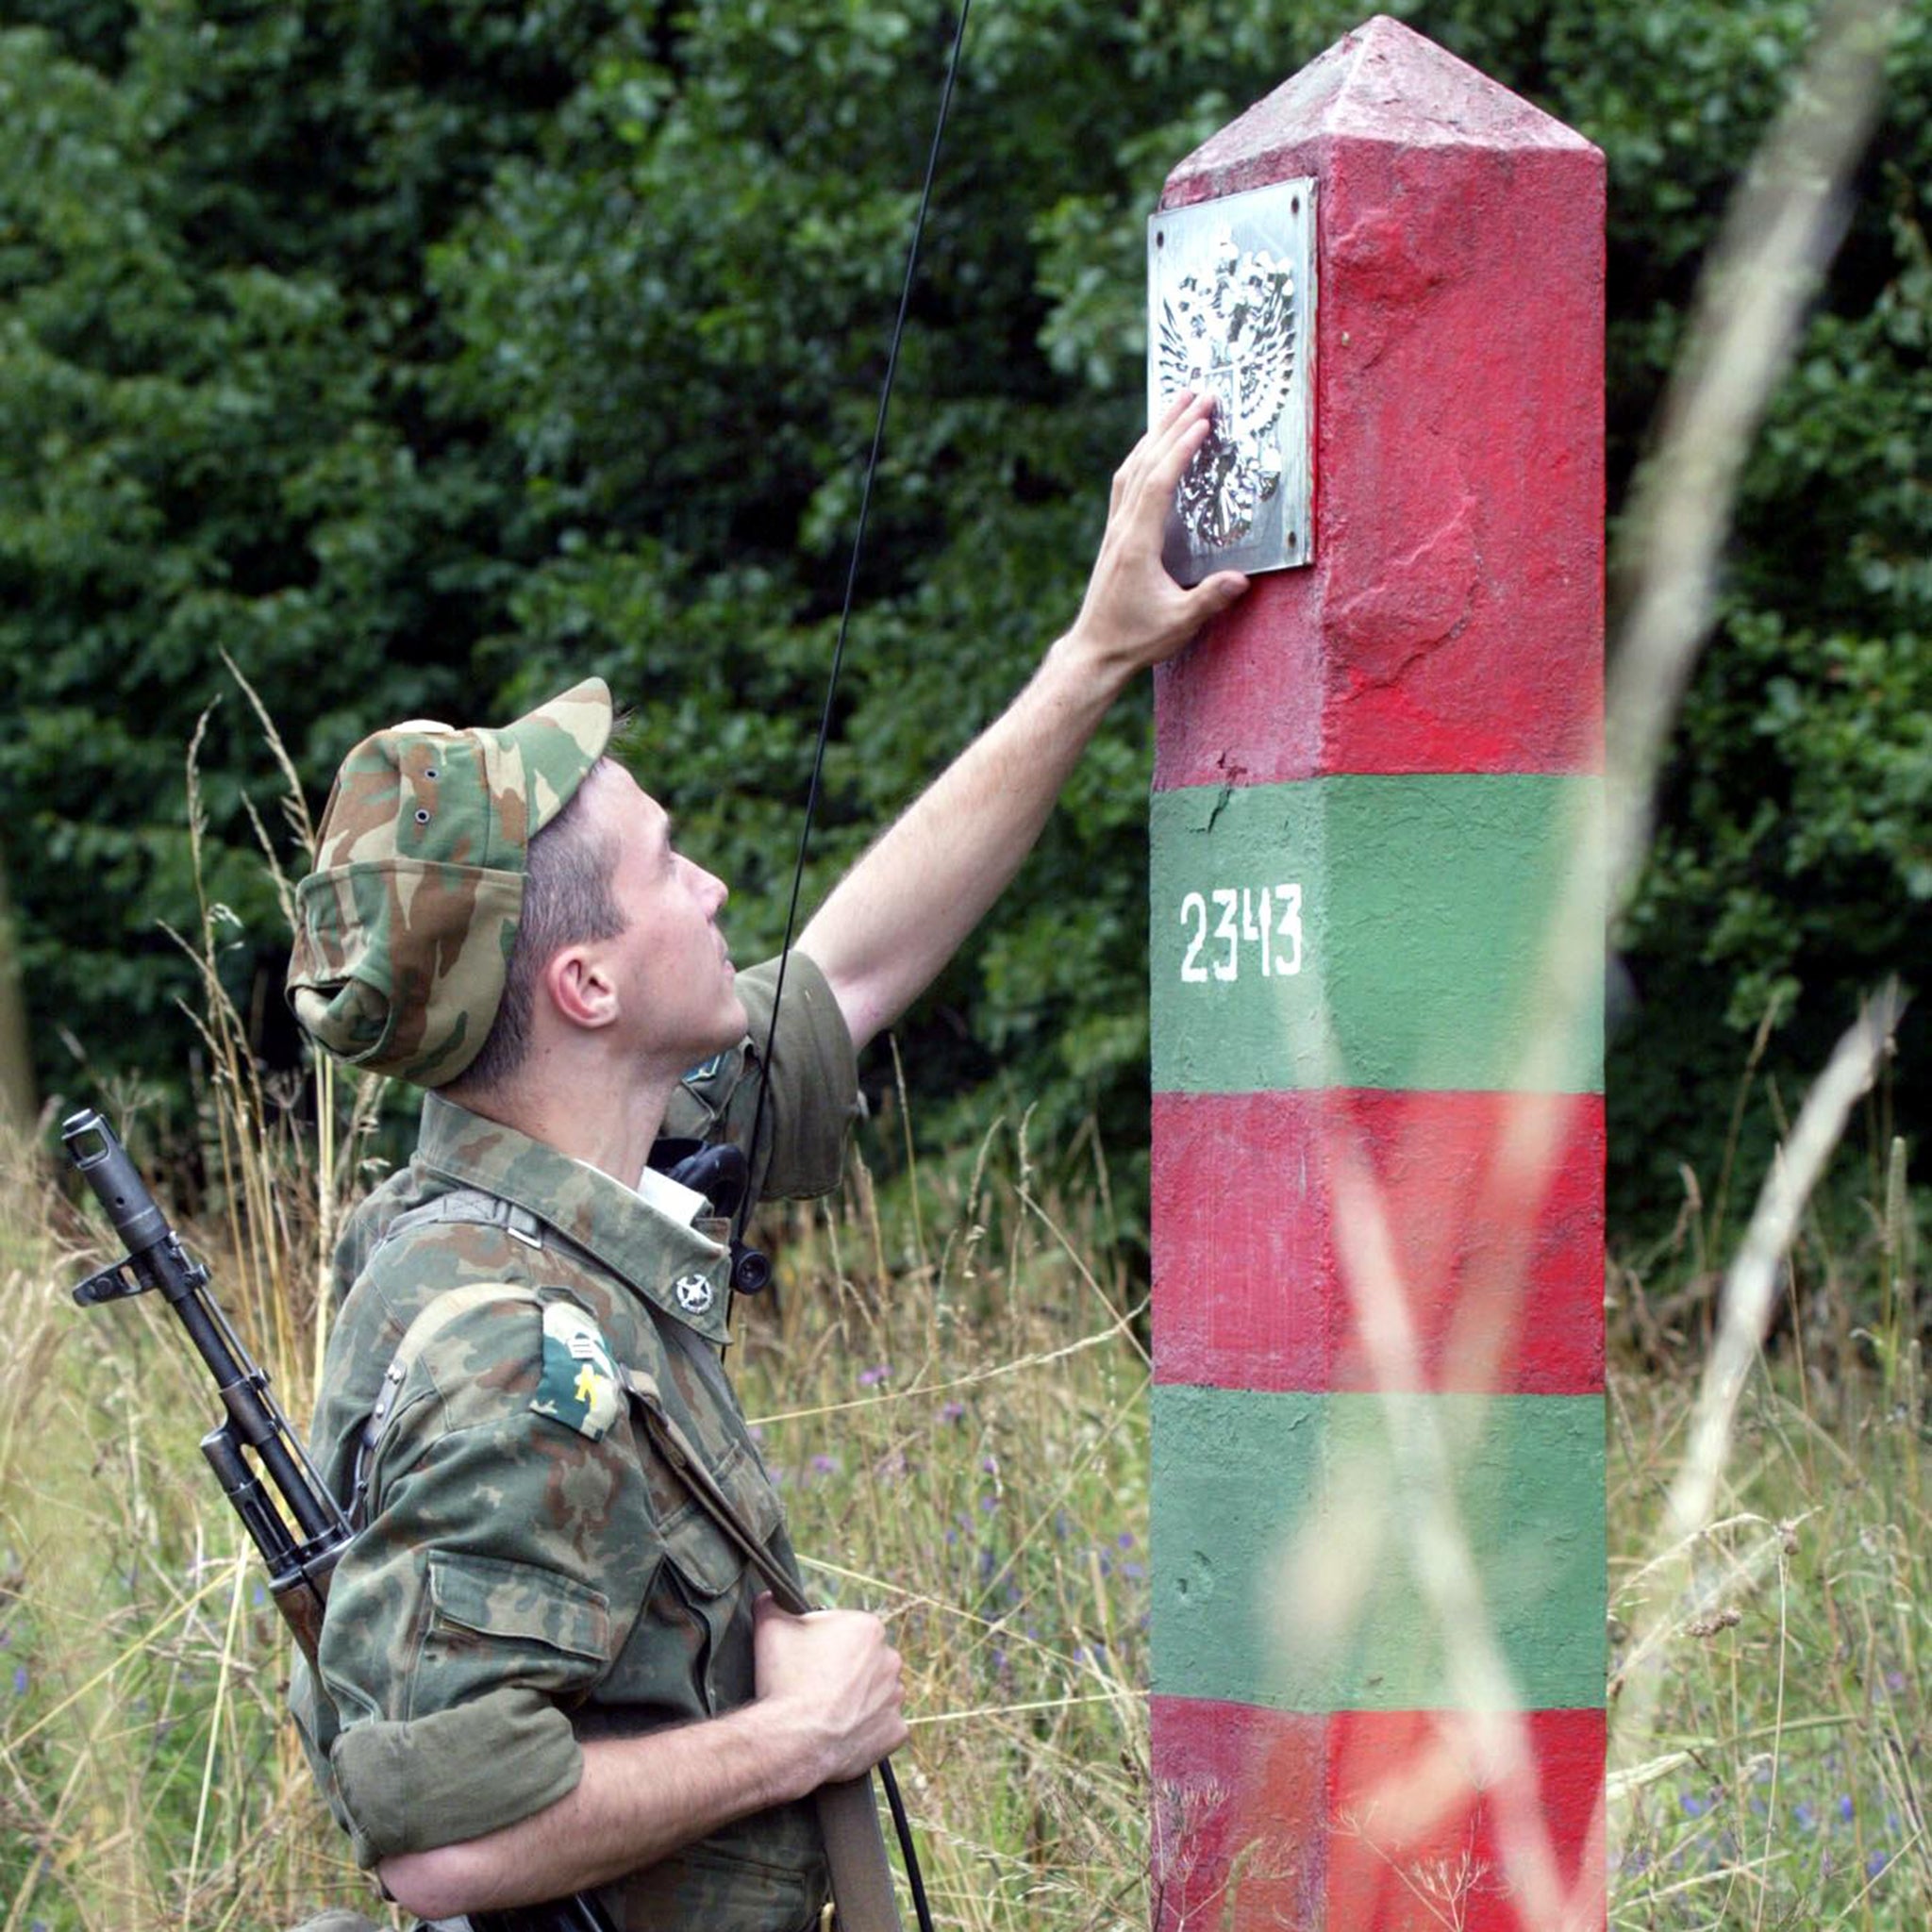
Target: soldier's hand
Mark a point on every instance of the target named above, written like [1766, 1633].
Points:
[1135, 614]
[840, 1677]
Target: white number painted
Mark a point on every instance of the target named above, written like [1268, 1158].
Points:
[1289, 929]
[1194, 907]
[1224, 929]
[1269, 918]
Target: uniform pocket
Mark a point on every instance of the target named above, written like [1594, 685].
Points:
[706, 1569]
[704, 1557]
[491, 1622]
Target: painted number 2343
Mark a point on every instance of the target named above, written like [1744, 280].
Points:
[1270, 919]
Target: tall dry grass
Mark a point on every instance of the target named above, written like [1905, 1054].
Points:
[1772, 1606]
[953, 1403]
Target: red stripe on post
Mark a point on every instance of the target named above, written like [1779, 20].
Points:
[1239, 1832]
[1452, 620]
[1364, 1821]
[1416, 1822]
[1497, 1237]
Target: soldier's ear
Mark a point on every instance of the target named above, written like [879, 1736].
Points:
[580, 986]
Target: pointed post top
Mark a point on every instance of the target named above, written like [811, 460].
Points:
[1383, 83]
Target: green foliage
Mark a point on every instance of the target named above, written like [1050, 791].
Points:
[423, 356]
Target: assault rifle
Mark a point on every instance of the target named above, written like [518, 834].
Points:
[300, 1529]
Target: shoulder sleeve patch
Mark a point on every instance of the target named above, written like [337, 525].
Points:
[579, 1386]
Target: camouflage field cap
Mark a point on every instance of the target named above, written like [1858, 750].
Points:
[403, 930]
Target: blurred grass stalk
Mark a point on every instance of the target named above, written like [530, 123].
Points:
[1783, 227]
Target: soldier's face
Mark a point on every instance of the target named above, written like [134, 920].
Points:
[679, 998]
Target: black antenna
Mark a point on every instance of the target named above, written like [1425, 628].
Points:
[879, 438]
[900, 1822]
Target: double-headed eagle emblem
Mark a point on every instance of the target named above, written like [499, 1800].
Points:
[1236, 337]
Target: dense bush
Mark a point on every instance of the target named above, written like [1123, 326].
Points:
[423, 356]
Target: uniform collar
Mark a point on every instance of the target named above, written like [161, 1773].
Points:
[666, 1260]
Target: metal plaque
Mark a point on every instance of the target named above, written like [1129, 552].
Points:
[1231, 308]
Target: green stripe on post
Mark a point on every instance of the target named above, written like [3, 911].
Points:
[1365, 932]
[1284, 1531]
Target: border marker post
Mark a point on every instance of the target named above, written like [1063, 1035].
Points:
[1379, 1563]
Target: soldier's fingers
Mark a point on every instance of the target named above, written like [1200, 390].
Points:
[1176, 408]
[1181, 423]
[1213, 594]
[1147, 448]
[1181, 408]
[1171, 453]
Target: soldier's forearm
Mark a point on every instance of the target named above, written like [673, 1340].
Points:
[902, 910]
[637, 1801]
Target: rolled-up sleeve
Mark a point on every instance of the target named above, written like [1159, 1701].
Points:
[472, 1610]
[453, 1775]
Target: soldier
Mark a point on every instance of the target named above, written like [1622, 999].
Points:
[543, 1668]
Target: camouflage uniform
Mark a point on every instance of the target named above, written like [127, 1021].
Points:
[528, 1573]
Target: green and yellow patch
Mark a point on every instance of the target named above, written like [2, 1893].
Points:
[580, 1385]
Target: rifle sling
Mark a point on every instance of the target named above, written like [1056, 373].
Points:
[848, 1814]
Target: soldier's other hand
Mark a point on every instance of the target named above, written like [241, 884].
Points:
[1135, 614]
[838, 1677]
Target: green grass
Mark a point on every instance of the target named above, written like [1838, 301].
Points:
[1784, 1782]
